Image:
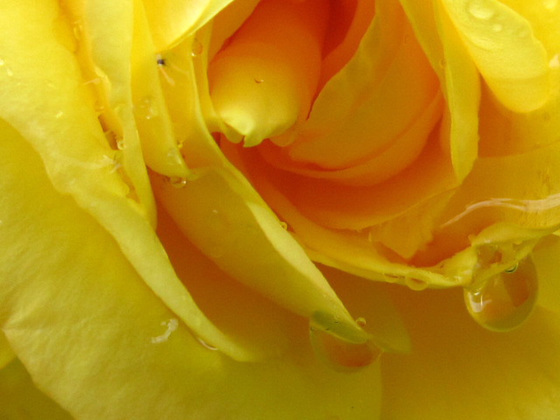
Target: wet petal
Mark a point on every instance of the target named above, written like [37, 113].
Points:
[156, 134]
[508, 375]
[502, 44]
[227, 219]
[88, 329]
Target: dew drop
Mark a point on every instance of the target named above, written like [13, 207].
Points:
[177, 182]
[259, 81]
[504, 301]
[478, 10]
[146, 109]
[415, 284]
[341, 355]
[197, 48]
[59, 114]
[392, 278]
[284, 225]
[554, 61]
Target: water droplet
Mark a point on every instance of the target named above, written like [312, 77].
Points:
[392, 278]
[504, 301]
[146, 109]
[59, 114]
[171, 326]
[284, 225]
[415, 284]
[341, 355]
[259, 81]
[361, 322]
[205, 344]
[177, 182]
[554, 62]
[479, 10]
[197, 48]
[78, 29]
[121, 145]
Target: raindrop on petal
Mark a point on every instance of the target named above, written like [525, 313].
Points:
[341, 355]
[505, 300]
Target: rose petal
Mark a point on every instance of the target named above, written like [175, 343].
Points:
[226, 219]
[502, 44]
[462, 92]
[173, 20]
[156, 134]
[508, 375]
[20, 399]
[88, 329]
[264, 79]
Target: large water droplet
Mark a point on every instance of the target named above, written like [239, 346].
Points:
[504, 301]
[197, 48]
[341, 355]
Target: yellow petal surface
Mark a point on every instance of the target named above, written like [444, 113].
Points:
[546, 255]
[462, 91]
[156, 134]
[459, 370]
[264, 79]
[172, 20]
[229, 223]
[20, 399]
[103, 345]
[77, 159]
[502, 43]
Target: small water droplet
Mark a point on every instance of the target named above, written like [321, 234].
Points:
[78, 29]
[284, 225]
[121, 145]
[415, 284]
[479, 10]
[59, 114]
[205, 344]
[146, 109]
[9, 72]
[341, 355]
[259, 81]
[504, 301]
[392, 278]
[197, 48]
[361, 322]
[513, 268]
[177, 182]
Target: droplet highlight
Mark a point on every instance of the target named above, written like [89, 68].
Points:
[479, 10]
[505, 300]
[197, 48]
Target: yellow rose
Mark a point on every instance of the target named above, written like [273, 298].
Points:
[195, 196]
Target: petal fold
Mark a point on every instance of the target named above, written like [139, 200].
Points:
[502, 43]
